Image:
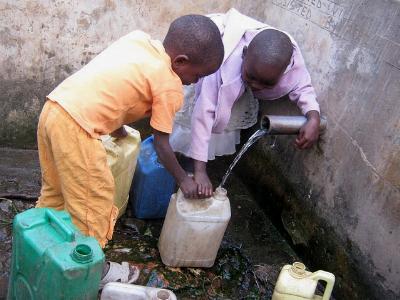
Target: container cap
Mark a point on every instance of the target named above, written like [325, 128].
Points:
[298, 270]
[163, 295]
[82, 254]
[220, 193]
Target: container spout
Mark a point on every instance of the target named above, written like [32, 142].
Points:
[286, 125]
[220, 193]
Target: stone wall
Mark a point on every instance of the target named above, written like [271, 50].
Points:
[341, 200]
[42, 42]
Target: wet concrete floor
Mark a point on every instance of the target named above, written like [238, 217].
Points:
[248, 261]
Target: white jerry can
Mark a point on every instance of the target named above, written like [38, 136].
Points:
[193, 229]
[295, 283]
[119, 291]
[122, 156]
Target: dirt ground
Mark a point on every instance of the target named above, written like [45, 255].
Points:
[248, 261]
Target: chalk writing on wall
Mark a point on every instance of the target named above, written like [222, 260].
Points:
[145, 7]
[323, 13]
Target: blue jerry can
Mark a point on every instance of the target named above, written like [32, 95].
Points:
[152, 185]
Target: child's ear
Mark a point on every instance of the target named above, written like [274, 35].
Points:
[180, 60]
[244, 51]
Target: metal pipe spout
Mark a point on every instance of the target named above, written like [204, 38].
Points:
[286, 125]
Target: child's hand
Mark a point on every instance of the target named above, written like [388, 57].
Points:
[119, 133]
[309, 133]
[189, 188]
[205, 188]
[204, 185]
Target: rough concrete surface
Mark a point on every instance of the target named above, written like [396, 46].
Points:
[19, 179]
[349, 188]
[42, 42]
[349, 185]
[19, 173]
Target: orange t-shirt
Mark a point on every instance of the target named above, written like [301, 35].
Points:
[129, 80]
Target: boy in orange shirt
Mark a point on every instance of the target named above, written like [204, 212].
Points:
[133, 78]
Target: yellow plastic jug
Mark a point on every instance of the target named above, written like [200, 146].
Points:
[295, 283]
[193, 230]
[122, 156]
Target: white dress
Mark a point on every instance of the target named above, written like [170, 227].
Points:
[244, 115]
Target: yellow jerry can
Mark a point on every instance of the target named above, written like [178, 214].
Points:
[295, 283]
[122, 156]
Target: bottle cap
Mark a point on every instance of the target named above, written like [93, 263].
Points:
[298, 270]
[82, 254]
[220, 193]
[163, 295]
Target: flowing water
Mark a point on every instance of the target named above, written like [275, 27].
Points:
[254, 138]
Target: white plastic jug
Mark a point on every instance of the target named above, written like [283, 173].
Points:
[119, 291]
[193, 229]
[295, 283]
[122, 156]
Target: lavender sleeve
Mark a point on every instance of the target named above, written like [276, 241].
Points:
[303, 92]
[203, 116]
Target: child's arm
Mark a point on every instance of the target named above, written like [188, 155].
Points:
[304, 96]
[204, 185]
[169, 161]
[306, 99]
[203, 116]
[309, 133]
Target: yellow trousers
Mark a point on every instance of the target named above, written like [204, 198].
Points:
[75, 174]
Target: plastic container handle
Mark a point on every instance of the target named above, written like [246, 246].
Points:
[61, 226]
[329, 278]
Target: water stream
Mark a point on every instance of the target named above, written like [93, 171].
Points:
[254, 138]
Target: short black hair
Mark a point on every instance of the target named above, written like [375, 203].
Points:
[197, 37]
[271, 47]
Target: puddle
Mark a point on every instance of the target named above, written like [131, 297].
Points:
[233, 276]
[246, 267]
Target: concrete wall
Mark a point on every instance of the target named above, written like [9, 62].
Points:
[344, 199]
[341, 200]
[42, 42]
